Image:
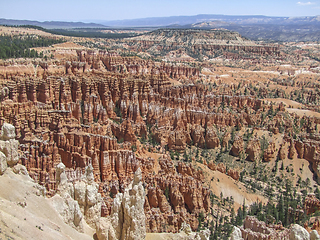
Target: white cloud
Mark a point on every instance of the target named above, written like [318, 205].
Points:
[305, 3]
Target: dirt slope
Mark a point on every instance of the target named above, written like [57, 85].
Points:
[26, 214]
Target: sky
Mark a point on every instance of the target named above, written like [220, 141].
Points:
[100, 10]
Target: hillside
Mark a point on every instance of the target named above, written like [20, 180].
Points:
[256, 27]
[50, 24]
[27, 214]
[184, 20]
[191, 44]
[253, 27]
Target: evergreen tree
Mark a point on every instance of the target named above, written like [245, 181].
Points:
[317, 193]
[280, 209]
[19, 46]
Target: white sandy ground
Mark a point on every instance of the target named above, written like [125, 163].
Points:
[221, 183]
[294, 107]
[301, 112]
[286, 102]
[37, 219]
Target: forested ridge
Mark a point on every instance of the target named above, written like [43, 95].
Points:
[82, 32]
[19, 46]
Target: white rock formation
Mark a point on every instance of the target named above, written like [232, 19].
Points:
[3, 163]
[20, 169]
[86, 193]
[8, 132]
[185, 228]
[64, 188]
[10, 149]
[69, 210]
[77, 201]
[8, 145]
[64, 201]
[298, 233]
[204, 234]
[105, 230]
[186, 233]
[314, 235]
[127, 219]
[9, 155]
[134, 221]
[236, 234]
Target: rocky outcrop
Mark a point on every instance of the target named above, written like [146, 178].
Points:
[9, 152]
[237, 146]
[105, 230]
[234, 174]
[175, 196]
[135, 65]
[79, 201]
[9, 155]
[256, 226]
[292, 151]
[177, 140]
[201, 41]
[8, 144]
[236, 234]
[253, 150]
[88, 198]
[211, 139]
[212, 166]
[282, 152]
[311, 204]
[186, 169]
[298, 233]
[64, 203]
[255, 229]
[3, 163]
[7, 132]
[270, 153]
[127, 219]
[314, 235]
[221, 168]
[226, 140]
[186, 233]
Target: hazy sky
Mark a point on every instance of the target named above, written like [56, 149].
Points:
[89, 10]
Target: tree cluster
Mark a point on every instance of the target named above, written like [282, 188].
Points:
[19, 46]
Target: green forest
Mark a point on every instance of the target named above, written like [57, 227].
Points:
[277, 211]
[19, 46]
[83, 32]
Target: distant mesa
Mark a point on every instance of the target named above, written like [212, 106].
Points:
[50, 24]
[254, 27]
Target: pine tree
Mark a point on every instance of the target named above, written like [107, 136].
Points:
[317, 193]
[280, 209]
[244, 209]
[239, 217]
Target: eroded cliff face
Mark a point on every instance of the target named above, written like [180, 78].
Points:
[93, 108]
[75, 120]
[198, 42]
[174, 196]
[127, 218]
